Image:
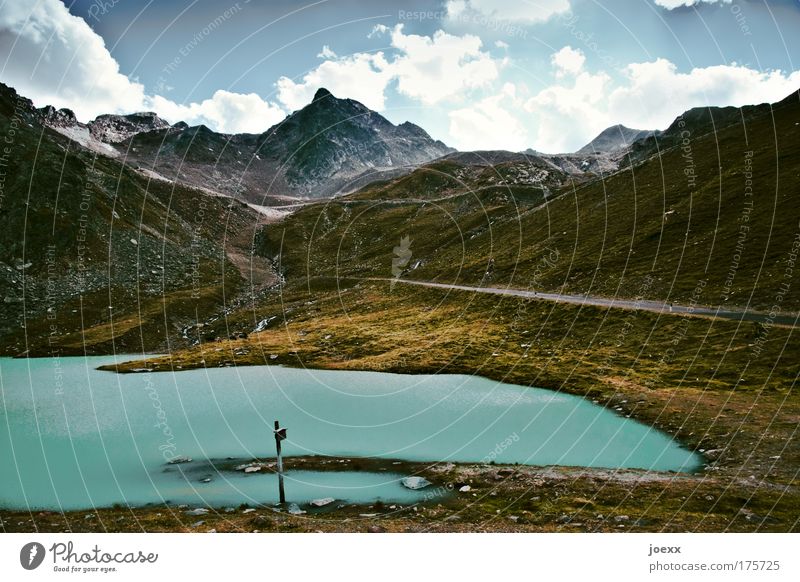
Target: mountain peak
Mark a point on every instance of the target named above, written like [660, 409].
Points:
[112, 128]
[613, 139]
[321, 93]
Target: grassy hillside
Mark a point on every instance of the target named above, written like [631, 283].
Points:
[95, 256]
[720, 208]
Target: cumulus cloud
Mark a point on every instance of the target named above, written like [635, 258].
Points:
[568, 115]
[649, 95]
[490, 123]
[429, 69]
[521, 10]
[655, 92]
[672, 4]
[363, 77]
[57, 59]
[568, 61]
[225, 112]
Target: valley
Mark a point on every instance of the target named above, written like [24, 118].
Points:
[376, 256]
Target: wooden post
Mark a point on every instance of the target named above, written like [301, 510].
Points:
[280, 434]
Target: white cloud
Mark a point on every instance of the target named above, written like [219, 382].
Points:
[568, 61]
[655, 92]
[489, 124]
[520, 10]
[326, 53]
[432, 69]
[650, 95]
[362, 77]
[568, 115]
[57, 59]
[672, 4]
[429, 69]
[225, 112]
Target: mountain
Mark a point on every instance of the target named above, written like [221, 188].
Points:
[695, 123]
[614, 139]
[673, 218]
[102, 132]
[329, 147]
[118, 128]
[95, 256]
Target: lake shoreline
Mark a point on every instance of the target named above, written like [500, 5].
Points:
[473, 498]
[756, 494]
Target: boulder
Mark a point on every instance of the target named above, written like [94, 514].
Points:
[414, 482]
[179, 459]
[322, 502]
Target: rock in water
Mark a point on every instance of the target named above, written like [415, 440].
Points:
[322, 502]
[414, 482]
[180, 459]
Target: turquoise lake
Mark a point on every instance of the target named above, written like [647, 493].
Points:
[73, 437]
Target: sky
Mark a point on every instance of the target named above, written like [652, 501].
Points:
[477, 74]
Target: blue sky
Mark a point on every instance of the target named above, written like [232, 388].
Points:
[547, 74]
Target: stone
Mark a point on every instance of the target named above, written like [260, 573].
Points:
[322, 502]
[197, 511]
[294, 509]
[414, 482]
[179, 459]
[465, 489]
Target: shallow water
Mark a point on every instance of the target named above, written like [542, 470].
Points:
[75, 437]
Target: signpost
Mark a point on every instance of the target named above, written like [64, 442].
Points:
[280, 434]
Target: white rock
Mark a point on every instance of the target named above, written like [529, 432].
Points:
[465, 489]
[322, 502]
[198, 511]
[180, 459]
[414, 482]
